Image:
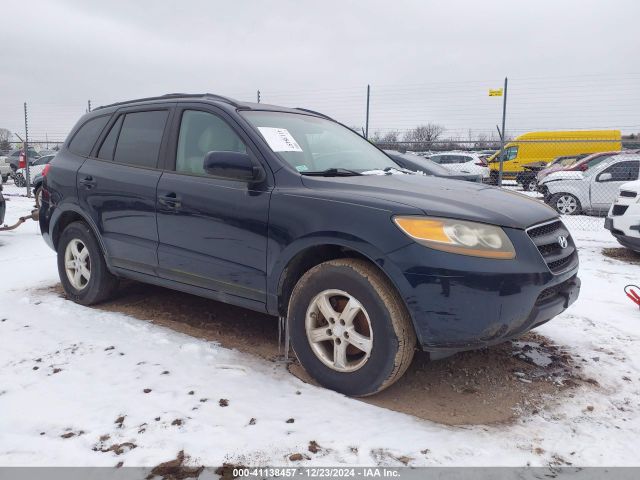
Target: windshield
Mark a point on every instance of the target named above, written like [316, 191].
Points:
[313, 144]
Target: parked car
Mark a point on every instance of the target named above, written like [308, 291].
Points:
[591, 191]
[461, 163]
[416, 163]
[20, 175]
[5, 168]
[3, 207]
[42, 153]
[545, 146]
[17, 162]
[584, 163]
[528, 177]
[623, 219]
[268, 208]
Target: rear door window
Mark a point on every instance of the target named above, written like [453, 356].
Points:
[86, 136]
[140, 138]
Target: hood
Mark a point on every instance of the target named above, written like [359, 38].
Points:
[439, 197]
[535, 166]
[563, 175]
[631, 186]
[546, 171]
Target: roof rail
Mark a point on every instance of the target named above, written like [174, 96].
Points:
[314, 112]
[169, 96]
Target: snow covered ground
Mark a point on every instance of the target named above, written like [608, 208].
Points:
[80, 386]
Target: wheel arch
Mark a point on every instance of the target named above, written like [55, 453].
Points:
[310, 255]
[68, 215]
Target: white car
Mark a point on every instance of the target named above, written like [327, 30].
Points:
[592, 191]
[462, 162]
[34, 170]
[5, 168]
[623, 219]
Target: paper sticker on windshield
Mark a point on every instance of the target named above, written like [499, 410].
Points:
[302, 168]
[279, 139]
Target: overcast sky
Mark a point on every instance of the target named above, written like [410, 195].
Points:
[571, 64]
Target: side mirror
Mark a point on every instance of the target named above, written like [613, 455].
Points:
[605, 177]
[584, 167]
[233, 166]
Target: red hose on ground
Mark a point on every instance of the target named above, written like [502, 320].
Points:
[633, 294]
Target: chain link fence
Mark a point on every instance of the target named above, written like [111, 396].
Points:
[576, 177]
[455, 124]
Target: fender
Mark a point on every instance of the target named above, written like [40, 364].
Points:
[574, 187]
[277, 275]
[66, 207]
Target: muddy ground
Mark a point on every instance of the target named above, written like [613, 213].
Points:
[494, 385]
[621, 253]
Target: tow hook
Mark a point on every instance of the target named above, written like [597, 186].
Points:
[34, 216]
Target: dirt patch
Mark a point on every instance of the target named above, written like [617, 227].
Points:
[623, 254]
[175, 469]
[493, 385]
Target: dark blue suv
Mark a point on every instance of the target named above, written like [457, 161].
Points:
[288, 212]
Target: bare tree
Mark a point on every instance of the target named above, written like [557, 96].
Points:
[423, 136]
[5, 135]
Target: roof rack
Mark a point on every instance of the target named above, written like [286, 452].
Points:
[169, 96]
[314, 112]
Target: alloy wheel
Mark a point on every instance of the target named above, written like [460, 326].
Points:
[77, 264]
[566, 204]
[339, 330]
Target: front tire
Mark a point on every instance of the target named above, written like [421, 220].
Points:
[350, 328]
[81, 266]
[565, 204]
[19, 180]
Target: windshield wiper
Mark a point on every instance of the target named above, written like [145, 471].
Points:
[333, 172]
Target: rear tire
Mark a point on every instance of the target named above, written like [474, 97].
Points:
[81, 266]
[334, 350]
[565, 204]
[37, 195]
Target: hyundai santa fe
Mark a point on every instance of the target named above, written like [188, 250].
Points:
[288, 212]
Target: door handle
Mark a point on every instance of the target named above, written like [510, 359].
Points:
[88, 182]
[170, 200]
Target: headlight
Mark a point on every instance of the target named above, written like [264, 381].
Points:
[458, 236]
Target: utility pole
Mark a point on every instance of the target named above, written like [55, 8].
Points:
[26, 150]
[504, 116]
[258, 96]
[366, 128]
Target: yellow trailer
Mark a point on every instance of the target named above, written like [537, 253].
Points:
[543, 147]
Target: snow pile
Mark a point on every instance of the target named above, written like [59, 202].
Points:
[80, 386]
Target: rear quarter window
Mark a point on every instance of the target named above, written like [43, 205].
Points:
[86, 136]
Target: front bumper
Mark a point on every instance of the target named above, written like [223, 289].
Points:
[464, 303]
[626, 230]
